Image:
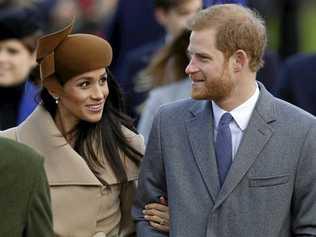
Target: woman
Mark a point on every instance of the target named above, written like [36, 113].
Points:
[92, 152]
[18, 34]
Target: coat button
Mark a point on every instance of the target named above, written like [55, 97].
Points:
[99, 234]
[105, 190]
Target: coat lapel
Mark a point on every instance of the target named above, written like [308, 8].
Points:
[200, 133]
[63, 165]
[257, 134]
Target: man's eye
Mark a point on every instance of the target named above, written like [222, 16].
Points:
[203, 58]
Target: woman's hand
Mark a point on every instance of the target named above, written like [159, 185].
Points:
[158, 215]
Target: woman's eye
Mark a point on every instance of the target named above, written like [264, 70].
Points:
[103, 80]
[84, 84]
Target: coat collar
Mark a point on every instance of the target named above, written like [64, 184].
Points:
[64, 166]
[257, 134]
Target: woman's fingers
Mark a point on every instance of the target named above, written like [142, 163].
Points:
[156, 206]
[154, 212]
[157, 214]
[156, 219]
[163, 228]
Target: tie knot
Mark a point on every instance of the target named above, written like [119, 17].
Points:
[225, 119]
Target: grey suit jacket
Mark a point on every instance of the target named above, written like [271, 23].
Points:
[270, 190]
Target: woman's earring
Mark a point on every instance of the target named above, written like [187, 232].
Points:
[56, 98]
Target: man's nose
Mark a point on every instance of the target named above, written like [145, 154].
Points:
[191, 68]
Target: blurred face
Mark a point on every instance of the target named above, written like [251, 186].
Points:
[176, 18]
[83, 98]
[16, 62]
[208, 69]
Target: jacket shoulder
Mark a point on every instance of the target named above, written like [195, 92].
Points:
[21, 156]
[292, 112]
[181, 108]
[9, 133]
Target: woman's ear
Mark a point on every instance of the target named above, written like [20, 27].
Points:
[53, 86]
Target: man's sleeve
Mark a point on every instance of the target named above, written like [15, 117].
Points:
[304, 199]
[39, 216]
[152, 183]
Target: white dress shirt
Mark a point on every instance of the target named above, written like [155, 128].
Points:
[241, 116]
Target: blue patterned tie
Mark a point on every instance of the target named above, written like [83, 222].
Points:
[223, 147]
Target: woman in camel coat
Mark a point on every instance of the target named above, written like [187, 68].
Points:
[92, 151]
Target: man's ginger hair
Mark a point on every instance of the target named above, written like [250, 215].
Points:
[237, 28]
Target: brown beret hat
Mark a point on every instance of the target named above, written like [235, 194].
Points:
[67, 55]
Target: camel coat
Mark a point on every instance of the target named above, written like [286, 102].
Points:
[82, 206]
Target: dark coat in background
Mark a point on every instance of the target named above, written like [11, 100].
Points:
[132, 26]
[297, 83]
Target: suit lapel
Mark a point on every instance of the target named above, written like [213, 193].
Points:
[200, 134]
[257, 134]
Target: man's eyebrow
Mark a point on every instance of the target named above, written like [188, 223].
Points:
[200, 54]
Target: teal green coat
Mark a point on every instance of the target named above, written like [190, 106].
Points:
[24, 199]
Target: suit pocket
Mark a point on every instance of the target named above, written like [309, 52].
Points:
[268, 181]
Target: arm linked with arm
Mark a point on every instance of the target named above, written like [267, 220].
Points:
[152, 183]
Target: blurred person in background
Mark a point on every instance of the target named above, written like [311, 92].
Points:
[90, 15]
[172, 15]
[92, 151]
[132, 25]
[166, 74]
[297, 83]
[62, 12]
[94, 14]
[19, 30]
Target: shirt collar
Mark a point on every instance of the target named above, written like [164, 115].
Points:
[241, 114]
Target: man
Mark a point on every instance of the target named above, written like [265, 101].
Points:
[25, 200]
[172, 15]
[233, 160]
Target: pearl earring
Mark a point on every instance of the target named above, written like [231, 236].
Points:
[56, 99]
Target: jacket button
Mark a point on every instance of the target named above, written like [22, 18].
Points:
[99, 234]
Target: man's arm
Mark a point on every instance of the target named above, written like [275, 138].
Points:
[152, 183]
[304, 199]
[39, 217]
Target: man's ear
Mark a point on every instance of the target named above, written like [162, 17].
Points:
[240, 60]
